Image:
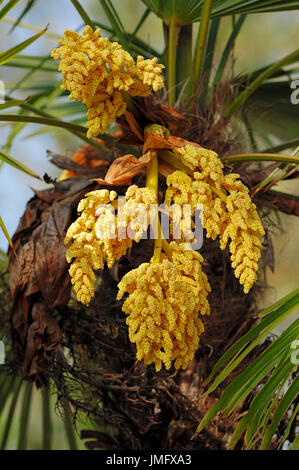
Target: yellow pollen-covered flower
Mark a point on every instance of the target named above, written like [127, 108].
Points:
[96, 71]
[149, 72]
[182, 189]
[227, 209]
[116, 232]
[204, 160]
[138, 205]
[162, 307]
[106, 231]
[86, 250]
[244, 228]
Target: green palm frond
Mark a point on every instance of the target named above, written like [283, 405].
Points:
[274, 368]
[270, 109]
[189, 11]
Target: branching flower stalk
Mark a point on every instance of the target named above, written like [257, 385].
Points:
[165, 295]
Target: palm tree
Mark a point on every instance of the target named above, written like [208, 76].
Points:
[82, 354]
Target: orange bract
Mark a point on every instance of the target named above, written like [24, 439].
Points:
[124, 168]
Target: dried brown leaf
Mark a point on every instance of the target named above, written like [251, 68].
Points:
[39, 279]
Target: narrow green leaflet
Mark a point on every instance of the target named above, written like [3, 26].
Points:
[16, 164]
[283, 406]
[27, 8]
[10, 53]
[228, 48]
[274, 360]
[84, 15]
[260, 79]
[115, 22]
[272, 316]
[11, 103]
[7, 8]
[4, 230]
[201, 41]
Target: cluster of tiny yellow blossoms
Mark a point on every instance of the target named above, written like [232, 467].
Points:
[116, 232]
[96, 71]
[244, 228]
[205, 160]
[182, 189]
[162, 307]
[96, 235]
[86, 248]
[228, 211]
[137, 209]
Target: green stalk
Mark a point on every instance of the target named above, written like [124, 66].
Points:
[172, 51]
[240, 100]
[201, 40]
[184, 62]
[85, 17]
[41, 120]
[152, 175]
[169, 157]
[260, 157]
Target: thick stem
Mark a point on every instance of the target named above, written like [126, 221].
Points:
[152, 175]
[184, 63]
[172, 51]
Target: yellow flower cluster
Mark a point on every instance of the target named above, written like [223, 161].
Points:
[182, 189]
[96, 71]
[138, 206]
[96, 234]
[228, 212]
[86, 249]
[244, 228]
[205, 160]
[162, 307]
[116, 232]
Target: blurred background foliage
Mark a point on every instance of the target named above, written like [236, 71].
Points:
[264, 39]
